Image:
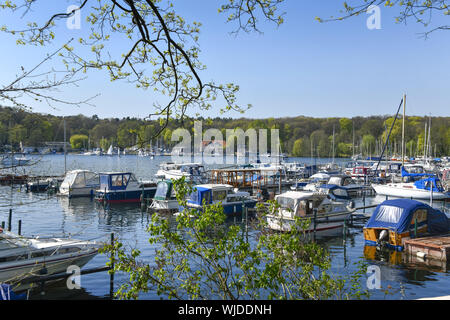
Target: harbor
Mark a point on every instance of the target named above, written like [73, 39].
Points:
[48, 214]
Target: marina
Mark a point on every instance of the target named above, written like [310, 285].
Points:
[46, 214]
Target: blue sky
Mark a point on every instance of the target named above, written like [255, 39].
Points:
[334, 69]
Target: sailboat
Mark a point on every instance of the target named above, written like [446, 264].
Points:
[110, 151]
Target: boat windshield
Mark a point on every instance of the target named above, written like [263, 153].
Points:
[161, 190]
[389, 214]
[285, 202]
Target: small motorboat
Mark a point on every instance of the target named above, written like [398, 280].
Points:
[164, 199]
[331, 205]
[122, 187]
[232, 200]
[79, 183]
[193, 172]
[26, 257]
[394, 221]
[424, 189]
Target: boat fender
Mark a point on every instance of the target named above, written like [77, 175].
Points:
[421, 254]
[1, 230]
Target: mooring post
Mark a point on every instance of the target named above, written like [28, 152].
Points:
[20, 227]
[415, 228]
[111, 275]
[315, 222]
[9, 219]
[364, 202]
[3, 224]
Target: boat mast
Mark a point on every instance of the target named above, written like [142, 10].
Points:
[333, 144]
[65, 148]
[403, 130]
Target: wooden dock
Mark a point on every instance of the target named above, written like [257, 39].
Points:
[437, 248]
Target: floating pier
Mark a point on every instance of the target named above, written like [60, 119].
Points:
[437, 248]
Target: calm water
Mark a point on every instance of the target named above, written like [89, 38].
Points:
[43, 214]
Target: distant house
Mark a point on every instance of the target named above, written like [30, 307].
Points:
[214, 143]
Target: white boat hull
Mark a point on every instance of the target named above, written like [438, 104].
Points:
[324, 226]
[77, 192]
[16, 270]
[405, 190]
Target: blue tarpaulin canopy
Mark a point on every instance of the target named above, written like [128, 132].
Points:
[199, 195]
[6, 293]
[397, 215]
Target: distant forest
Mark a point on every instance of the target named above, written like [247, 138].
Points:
[300, 136]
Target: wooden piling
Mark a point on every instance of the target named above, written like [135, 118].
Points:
[20, 228]
[9, 219]
[111, 275]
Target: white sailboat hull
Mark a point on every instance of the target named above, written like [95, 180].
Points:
[13, 271]
[406, 190]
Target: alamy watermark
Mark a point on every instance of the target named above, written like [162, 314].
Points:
[374, 277]
[74, 281]
[209, 146]
[73, 22]
[374, 20]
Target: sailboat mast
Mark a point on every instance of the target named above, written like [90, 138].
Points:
[65, 148]
[403, 131]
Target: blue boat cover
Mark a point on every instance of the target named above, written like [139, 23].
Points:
[6, 293]
[397, 215]
[199, 195]
[422, 184]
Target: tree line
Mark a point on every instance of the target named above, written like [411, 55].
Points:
[300, 136]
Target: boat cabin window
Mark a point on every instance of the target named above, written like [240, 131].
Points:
[119, 180]
[420, 215]
[339, 192]
[389, 214]
[91, 178]
[335, 180]
[219, 195]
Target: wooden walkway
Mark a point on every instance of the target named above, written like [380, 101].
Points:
[437, 247]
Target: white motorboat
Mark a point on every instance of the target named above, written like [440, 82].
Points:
[23, 257]
[193, 172]
[422, 189]
[332, 204]
[79, 183]
[164, 199]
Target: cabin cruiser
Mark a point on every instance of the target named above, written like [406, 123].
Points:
[23, 257]
[425, 189]
[232, 200]
[316, 180]
[122, 187]
[332, 205]
[347, 183]
[79, 183]
[193, 172]
[165, 199]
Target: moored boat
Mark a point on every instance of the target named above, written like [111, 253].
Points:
[23, 257]
[122, 187]
[330, 207]
[232, 200]
[164, 199]
[424, 189]
[193, 172]
[394, 221]
[79, 183]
